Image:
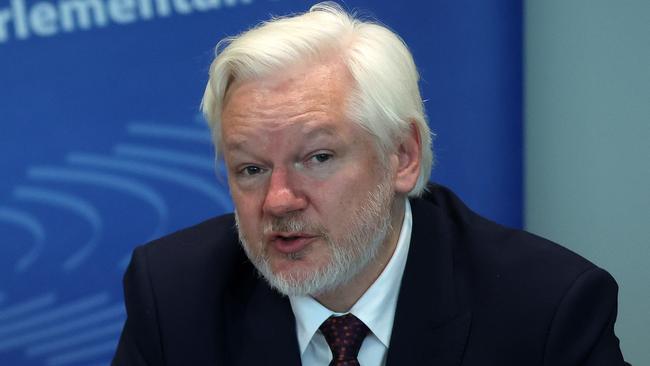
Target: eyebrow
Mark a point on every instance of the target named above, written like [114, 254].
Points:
[321, 129]
[234, 143]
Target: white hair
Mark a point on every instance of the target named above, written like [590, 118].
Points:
[386, 99]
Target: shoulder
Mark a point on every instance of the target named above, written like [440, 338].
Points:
[503, 267]
[525, 293]
[493, 248]
[203, 257]
[177, 290]
[195, 244]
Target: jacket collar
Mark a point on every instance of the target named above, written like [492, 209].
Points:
[269, 332]
[432, 319]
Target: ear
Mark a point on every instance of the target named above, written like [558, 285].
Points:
[409, 156]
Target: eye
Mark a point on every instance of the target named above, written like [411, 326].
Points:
[321, 157]
[250, 170]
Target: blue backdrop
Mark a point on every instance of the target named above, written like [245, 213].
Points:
[102, 147]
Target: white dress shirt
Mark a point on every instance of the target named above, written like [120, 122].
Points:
[376, 308]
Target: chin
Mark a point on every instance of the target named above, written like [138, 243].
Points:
[296, 277]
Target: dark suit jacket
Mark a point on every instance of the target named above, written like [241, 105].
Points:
[473, 293]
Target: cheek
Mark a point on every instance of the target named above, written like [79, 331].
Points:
[248, 218]
[246, 202]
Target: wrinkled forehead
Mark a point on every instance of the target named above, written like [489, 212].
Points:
[309, 90]
[304, 74]
[324, 89]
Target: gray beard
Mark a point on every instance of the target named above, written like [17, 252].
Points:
[369, 227]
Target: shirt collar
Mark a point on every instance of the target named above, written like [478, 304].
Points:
[376, 307]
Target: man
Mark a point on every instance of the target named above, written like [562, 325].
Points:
[319, 120]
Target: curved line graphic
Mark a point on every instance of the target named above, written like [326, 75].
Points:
[112, 330]
[177, 176]
[30, 305]
[165, 155]
[111, 313]
[33, 226]
[88, 303]
[111, 181]
[83, 354]
[170, 132]
[71, 203]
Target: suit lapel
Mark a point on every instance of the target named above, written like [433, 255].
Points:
[432, 320]
[269, 334]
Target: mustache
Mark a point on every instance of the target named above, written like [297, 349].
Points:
[293, 223]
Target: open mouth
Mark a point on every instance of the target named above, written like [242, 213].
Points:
[287, 238]
[290, 243]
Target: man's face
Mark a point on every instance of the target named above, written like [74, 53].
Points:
[312, 196]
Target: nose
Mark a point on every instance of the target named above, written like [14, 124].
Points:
[283, 196]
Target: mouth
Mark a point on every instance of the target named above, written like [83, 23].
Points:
[289, 243]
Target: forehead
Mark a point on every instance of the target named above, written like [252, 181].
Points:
[305, 93]
[331, 76]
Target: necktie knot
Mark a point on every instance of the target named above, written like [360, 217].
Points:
[344, 334]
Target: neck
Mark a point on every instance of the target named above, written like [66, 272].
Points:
[345, 296]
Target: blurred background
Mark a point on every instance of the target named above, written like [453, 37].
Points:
[541, 111]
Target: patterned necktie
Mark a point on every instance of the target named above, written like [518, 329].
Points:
[344, 334]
